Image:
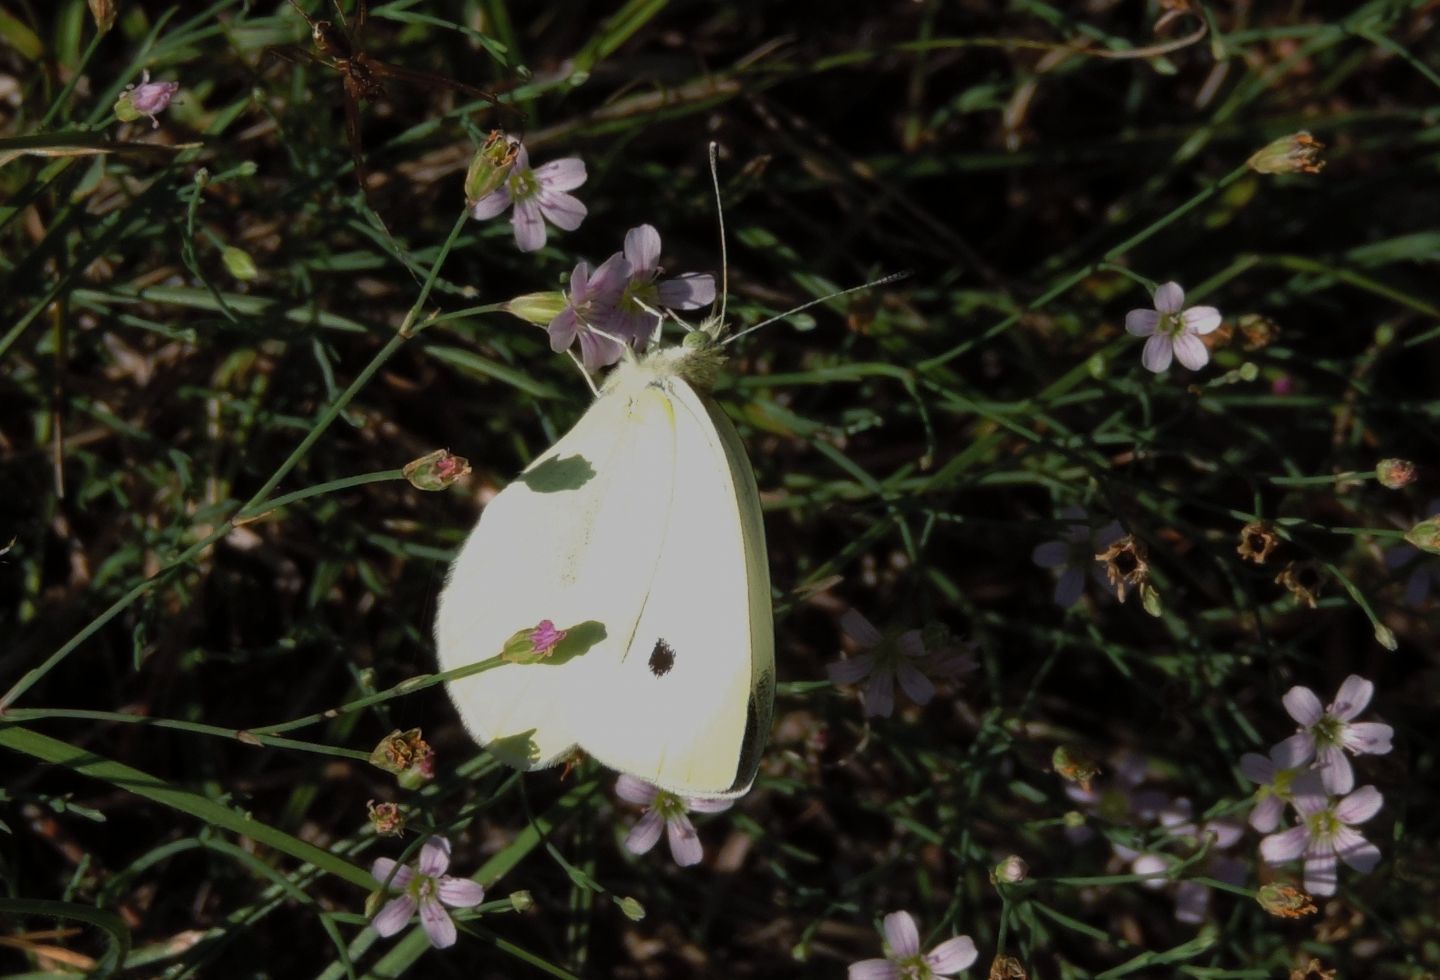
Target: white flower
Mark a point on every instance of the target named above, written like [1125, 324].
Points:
[904, 961]
[1274, 776]
[1173, 330]
[1326, 831]
[666, 811]
[1325, 733]
[430, 889]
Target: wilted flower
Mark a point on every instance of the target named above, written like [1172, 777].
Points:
[888, 658]
[592, 299]
[387, 818]
[435, 471]
[633, 319]
[490, 167]
[1258, 330]
[1296, 153]
[1075, 766]
[903, 959]
[1007, 968]
[666, 811]
[1284, 901]
[1313, 970]
[1257, 540]
[407, 755]
[538, 196]
[1395, 473]
[1273, 776]
[1303, 579]
[1074, 552]
[1173, 330]
[427, 888]
[1125, 565]
[1326, 733]
[1326, 831]
[146, 99]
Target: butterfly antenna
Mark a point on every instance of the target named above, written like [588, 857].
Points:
[720, 220]
[883, 280]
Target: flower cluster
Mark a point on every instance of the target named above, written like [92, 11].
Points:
[1311, 772]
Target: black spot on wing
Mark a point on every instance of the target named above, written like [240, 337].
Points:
[662, 658]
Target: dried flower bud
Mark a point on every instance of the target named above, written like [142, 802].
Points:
[146, 99]
[1125, 565]
[1296, 153]
[490, 166]
[1256, 542]
[1259, 331]
[1074, 765]
[1303, 579]
[1284, 901]
[1426, 535]
[633, 910]
[1010, 871]
[1007, 968]
[435, 471]
[537, 308]
[407, 755]
[104, 12]
[386, 818]
[1395, 473]
[1312, 971]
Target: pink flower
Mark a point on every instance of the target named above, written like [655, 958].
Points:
[666, 811]
[146, 99]
[1325, 733]
[1274, 777]
[887, 659]
[1326, 831]
[632, 318]
[545, 636]
[1074, 551]
[1173, 330]
[903, 959]
[591, 299]
[428, 888]
[538, 196]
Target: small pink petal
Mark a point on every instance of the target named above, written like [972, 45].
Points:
[642, 250]
[1190, 351]
[1354, 694]
[1368, 737]
[1266, 815]
[1320, 874]
[1169, 298]
[687, 292]
[859, 629]
[491, 205]
[911, 644]
[1069, 587]
[1334, 768]
[1360, 805]
[561, 175]
[1201, 319]
[1299, 748]
[529, 226]
[562, 210]
[917, 686]
[1257, 768]
[382, 868]
[952, 956]
[703, 804]
[434, 857]
[1141, 323]
[880, 695]
[645, 833]
[1356, 851]
[633, 789]
[1308, 794]
[1303, 706]
[1157, 353]
[684, 842]
[1192, 900]
[393, 917]
[873, 970]
[439, 929]
[1051, 554]
[460, 893]
[901, 934]
[1285, 846]
[850, 671]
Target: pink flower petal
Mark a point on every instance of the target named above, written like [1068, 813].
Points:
[393, 917]
[701, 804]
[642, 250]
[438, 927]
[597, 351]
[490, 205]
[684, 842]
[1356, 851]
[609, 280]
[434, 857]
[561, 175]
[1257, 768]
[1355, 693]
[1266, 815]
[1169, 298]
[952, 956]
[690, 291]
[562, 329]
[917, 686]
[1303, 706]
[1141, 323]
[1285, 846]
[1227, 833]
[1299, 748]
[1201, 319]
[880, 694]
[1192, 900]
[859, 629]
[901, 934]
[873, 970]
[1190, 352]
[850, 671]
[1069, 588]
[645, 833]
[562, 210]
[1334, 768]
[529, 226]
[911, 644]
[1320, 874]
[633, 789]
[1367, 737]
[460, 893]
[1157, 353]
[1051, 554]
[1360, 805]
[382, 868]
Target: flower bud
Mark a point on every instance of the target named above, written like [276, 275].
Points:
[146, 99]
[386, 818]
[1284, 901]
[239, 263]
[435, 471]
[1010, 871]
[536, 308]
[104, 12]
[522, 901]
[1426, 535]
[1296, 153]
[1395, 473]
[633, 910]
[530, 645]
[490, 166]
